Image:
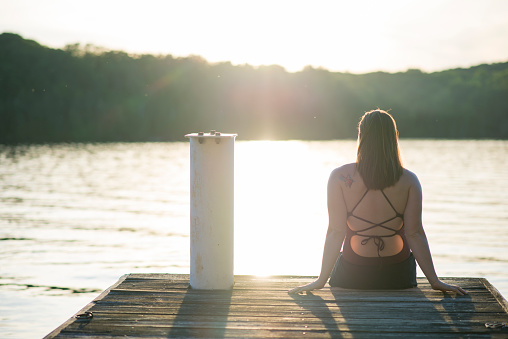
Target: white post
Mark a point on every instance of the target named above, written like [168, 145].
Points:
[212, 210]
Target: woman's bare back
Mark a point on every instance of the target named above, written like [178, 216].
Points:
[371, 215]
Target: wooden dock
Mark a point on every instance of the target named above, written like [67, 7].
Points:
[163, 306]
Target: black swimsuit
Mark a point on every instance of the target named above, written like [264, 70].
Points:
[388, 272]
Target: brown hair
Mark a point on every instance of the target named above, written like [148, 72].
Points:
[378, 156]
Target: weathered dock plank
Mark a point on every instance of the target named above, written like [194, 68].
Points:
[163, 306]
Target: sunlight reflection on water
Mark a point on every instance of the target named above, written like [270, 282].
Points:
[75, 217]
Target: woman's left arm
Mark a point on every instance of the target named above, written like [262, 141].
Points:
[337, 215]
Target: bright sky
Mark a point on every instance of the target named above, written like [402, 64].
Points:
[354, 36]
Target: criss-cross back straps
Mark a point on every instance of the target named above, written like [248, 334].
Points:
[378, 239]
[358, 203]
[391, 205]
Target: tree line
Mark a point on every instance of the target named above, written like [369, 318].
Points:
[85, 93]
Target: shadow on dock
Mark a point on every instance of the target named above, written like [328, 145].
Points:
[407, 312]
[202, 314]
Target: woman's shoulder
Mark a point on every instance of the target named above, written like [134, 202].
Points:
[410, 178]
[347, 169]
[345, 174]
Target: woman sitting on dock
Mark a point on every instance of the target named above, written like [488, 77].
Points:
[375, 215]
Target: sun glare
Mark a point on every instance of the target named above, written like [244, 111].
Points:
[279, 203]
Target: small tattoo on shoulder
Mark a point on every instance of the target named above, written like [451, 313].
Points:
[347, 180]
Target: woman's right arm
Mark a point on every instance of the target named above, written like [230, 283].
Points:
[417, 240]
[337, 215]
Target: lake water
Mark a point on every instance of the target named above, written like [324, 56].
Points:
[76, 217]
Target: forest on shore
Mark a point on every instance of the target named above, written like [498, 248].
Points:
[88, 94]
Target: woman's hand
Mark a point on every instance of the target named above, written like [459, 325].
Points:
[441, 286]
[309, 287]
